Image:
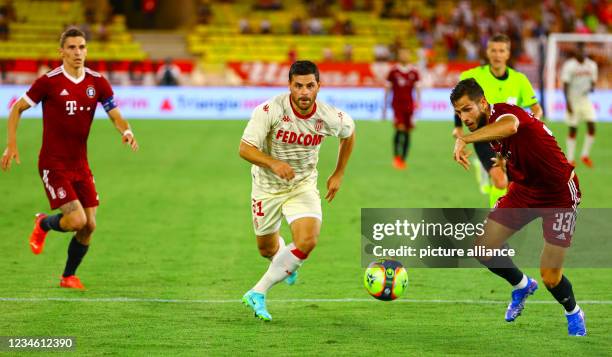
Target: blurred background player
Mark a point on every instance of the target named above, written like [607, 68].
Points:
[541, 178]
[501, 84]
[282, 141]
[402, 80]
[69, 95]
[579, 75]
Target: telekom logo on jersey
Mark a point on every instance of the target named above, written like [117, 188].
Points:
[71, 106]
[290, 137]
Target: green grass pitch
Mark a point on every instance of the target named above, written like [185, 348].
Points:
[174, 225]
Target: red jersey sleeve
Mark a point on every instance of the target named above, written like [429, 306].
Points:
[104, 89]
[38, 91]
[390, 76]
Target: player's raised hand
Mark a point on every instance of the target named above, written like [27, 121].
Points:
[282, 170]
[457, 132]
[499, 161]
[460, 155]
[8, 156]
[129, 139]
[333, 185]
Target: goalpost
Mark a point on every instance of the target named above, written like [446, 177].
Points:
[599, 42]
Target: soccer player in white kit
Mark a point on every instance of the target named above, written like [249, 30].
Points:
[282, 141]
[579, 75]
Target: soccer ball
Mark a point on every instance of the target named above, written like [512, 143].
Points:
[385, 279]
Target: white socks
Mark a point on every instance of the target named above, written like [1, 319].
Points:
[522, 284]
[570, 148]
[283, 264]
[586, 146]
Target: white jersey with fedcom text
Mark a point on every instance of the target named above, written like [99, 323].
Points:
[579, 77]
[278, 130]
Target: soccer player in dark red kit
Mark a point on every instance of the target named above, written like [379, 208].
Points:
[69, 95]
[542, 180]
[402, 81]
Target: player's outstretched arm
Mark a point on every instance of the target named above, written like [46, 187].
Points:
[458, 129]
[504, 127]
[11, 151]
[257, 157]
[123, 127]
[344, 153]
[537, 111]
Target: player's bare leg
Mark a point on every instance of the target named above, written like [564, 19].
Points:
[71, 219]
[495, 236]
[570, 145]
[268, 244]
[588, 143]
[82, 221]
[551, 270]
[499, 185]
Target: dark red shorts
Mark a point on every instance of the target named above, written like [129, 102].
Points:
[556, 207]
[403, 118]
[63, 186]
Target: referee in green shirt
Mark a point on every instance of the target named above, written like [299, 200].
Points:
[501, 84]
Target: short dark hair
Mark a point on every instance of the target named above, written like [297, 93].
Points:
[468, 87]
[70, 32]
[303, 68]
[500, 37]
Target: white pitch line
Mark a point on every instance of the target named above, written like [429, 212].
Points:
[233, 301]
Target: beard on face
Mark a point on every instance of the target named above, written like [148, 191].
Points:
[302, 102]
[482, 119]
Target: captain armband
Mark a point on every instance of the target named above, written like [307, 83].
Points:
[109, 104]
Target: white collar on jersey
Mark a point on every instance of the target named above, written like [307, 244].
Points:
[71, 78]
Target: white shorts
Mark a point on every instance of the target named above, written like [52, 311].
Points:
[582, 110]
[269, 208]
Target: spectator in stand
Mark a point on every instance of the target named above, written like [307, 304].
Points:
[265, 27]
[315, 26]
[204, 12]
[4, 28]
[8, 11]
[328, 55]
[169, 74]
[337, 27]
[8, 14]
[102, 32]
[292, 53]
[347, 53]
[297, 26]
[268, 5]
[244, 26]
[387, 9]
[318, 8]
[381, 52]
[149, 8]
[347, 27]
[347, 5]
